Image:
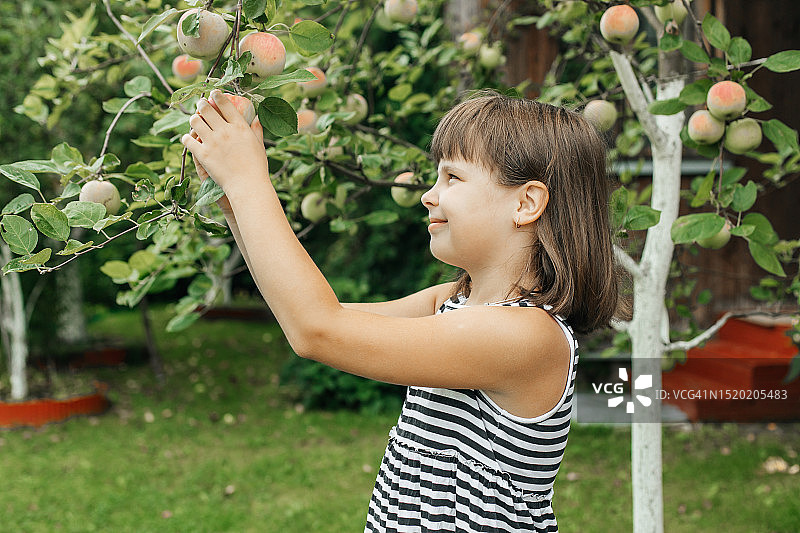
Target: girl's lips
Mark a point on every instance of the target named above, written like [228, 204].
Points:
[436, 223]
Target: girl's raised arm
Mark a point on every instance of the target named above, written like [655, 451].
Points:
[491, 348]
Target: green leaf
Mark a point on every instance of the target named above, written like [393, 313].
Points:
[785, 61]
[399, 93]
[173, 120]
[763, 232]
[206, 224]
[112, 106]
[744, 196]
[74, 247]
[379, 218]
[703, 192]
[184, 93]
[154, 22]
[72, 189]
[693, 52]
[84, 214]
[689, 228]
[766, 258]
[695, 93]
[142, 261]
[19, 204]
[282, 79]
[38, 165]
[151, 141]
[117, 270]
[39, 258]
[733, 175]
[200, 286]
[756, 103]
[619, 206]
[106, 222]
[670, 42]
[191, 24]
[181, 322]
[140, 171]
[311, 37]
[739, 51]
[717, 34]
[641, 217]
[794, 369]
[66, 156]
[277, 116]
[208, 193]
[19, 264]
[782, 136]
[233, 71]
[666, 107]
[18, 175]
[742, 230]
[253, 8]
[19, 234]
[138, 85]
[50, 221]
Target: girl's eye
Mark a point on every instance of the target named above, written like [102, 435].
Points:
[453, 177]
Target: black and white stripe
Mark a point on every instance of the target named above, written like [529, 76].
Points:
[456, 461]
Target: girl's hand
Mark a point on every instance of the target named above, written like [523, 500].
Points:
[225, 146]
[223, 202]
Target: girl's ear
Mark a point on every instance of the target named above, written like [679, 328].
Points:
[533, 198]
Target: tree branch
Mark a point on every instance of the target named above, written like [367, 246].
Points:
[125, 106]
[710, 332]
[636, 98]
[627, 262]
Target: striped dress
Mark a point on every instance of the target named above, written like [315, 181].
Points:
[456, 461]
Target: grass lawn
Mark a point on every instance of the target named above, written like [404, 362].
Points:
[223, 447]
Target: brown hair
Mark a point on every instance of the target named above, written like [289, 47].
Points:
[572, 259]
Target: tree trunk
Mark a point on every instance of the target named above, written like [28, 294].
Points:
[15, 328]
[226, 283]
[153, 355]
[649, 327]
[71, 328]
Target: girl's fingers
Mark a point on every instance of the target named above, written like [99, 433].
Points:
[226, 107]
[193, 145]
[258, 130]
[209, 114]
[199, 125]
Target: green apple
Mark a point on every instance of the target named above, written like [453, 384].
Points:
[312, 207]
[742, 136]
[403, 196]
[718, 240]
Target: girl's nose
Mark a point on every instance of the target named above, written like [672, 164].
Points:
[430, 198]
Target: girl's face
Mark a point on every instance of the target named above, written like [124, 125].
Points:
[472, 217]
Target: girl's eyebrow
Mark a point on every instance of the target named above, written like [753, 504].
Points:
[447, 169]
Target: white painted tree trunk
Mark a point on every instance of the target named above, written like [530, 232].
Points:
[650, 279]
[15, 328]
[233, 262]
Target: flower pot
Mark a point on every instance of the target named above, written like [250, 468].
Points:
[44, 411]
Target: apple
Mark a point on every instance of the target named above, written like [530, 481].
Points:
[403, 196]
[332, 150]
[619, 24]
[742, 136]
[213, 33]
[401, 10]
[470, 42]
[101, 192]
[243, 105]
[315, 87]
[307, 121]
[726, 100]
[357, 104]
[674, 11]
[600, 113]
[185, 68]
[705, 128]
[490, 57]
[269, 54]
[312, 207]
[719, 239]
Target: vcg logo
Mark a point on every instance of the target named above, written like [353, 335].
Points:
[643, 382]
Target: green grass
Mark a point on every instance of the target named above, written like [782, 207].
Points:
[275, 467]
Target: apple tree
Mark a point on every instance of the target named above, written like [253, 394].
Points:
[346, 93]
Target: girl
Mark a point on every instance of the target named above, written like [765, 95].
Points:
[520, 204]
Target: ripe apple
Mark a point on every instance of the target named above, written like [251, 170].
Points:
[243, 105]
[742, 136]
[675, 11]
[705, 128]
[185, 68]
[356, 104]
[470, 42]
[726, 100]
[101, 192]
[401, 10]
[213, 33]
[600, 113]
[490, 57]
[719, 239]
[307, 121]
[315, 87]
[269, 54]
[403, 196]
[619, 24]
[312, 207]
